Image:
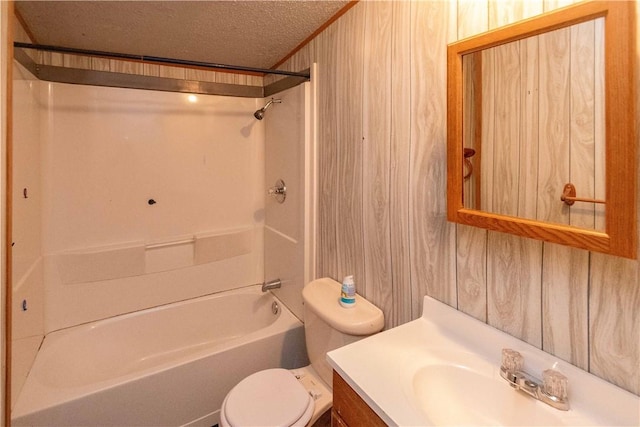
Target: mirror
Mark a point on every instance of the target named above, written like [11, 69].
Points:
[533, 121]
[541, 128]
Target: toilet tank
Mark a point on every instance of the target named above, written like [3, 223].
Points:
[328, 325]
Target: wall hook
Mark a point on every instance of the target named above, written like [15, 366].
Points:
[467, 154]
[24, 193]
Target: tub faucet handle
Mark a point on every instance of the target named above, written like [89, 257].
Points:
[278, 191]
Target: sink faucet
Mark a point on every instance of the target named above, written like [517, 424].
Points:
[552, 390]
[271, 284]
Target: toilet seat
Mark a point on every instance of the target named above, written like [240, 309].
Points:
[271, 397]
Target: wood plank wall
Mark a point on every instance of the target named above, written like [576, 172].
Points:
[382, 167]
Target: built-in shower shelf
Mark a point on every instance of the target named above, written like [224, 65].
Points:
[139, 257]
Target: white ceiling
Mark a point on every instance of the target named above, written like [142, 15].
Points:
[236, 32]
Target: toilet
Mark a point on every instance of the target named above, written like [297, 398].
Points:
[299, 397]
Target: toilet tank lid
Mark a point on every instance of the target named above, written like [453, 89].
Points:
[322, 296]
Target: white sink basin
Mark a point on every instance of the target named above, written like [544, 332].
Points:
[454, 395]
[444, 369]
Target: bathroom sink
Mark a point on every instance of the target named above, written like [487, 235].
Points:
[445, 369]
[455, 395]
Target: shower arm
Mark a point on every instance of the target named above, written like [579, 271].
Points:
[259, 114]
[271, 101]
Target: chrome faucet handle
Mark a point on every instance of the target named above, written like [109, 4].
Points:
[512, 361]
[555, 384]
[552, 390]
[278, 191]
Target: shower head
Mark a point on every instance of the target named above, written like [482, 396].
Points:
[259, 114]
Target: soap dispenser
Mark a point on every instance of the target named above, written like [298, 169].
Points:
[348, 293]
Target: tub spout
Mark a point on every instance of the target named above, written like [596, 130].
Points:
[271, 284]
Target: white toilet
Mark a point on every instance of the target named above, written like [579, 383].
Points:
[298, 397]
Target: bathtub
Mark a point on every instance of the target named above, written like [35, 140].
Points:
[169, 365]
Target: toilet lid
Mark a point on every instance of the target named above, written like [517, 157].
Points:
[271, 397]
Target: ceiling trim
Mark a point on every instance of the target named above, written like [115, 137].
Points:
[25, 27]
[320, 29]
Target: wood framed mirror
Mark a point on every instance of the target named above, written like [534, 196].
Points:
[540, 104]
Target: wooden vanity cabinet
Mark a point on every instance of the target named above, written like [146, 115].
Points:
[349, 409]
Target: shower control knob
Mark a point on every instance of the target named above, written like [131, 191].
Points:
[279, 191]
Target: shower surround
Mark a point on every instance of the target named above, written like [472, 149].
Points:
[89, 241]
[143, 188]
[149, 198]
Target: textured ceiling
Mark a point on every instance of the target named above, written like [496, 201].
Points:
[247, 33]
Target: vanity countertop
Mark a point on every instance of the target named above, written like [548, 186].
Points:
[388, 371]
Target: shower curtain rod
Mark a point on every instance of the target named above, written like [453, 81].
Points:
[157, 59]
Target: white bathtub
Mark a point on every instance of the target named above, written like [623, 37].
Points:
[169, 365]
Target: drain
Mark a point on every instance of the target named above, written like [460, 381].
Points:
[275, 308]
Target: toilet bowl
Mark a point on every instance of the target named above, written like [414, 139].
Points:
[299, 397]
[276, 397]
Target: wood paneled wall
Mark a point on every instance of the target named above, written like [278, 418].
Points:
[382, 167]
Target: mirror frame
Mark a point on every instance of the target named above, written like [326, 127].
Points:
[620, 234]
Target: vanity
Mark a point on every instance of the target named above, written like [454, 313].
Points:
[445, 369]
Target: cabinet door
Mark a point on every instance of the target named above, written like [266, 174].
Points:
[348, 407]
